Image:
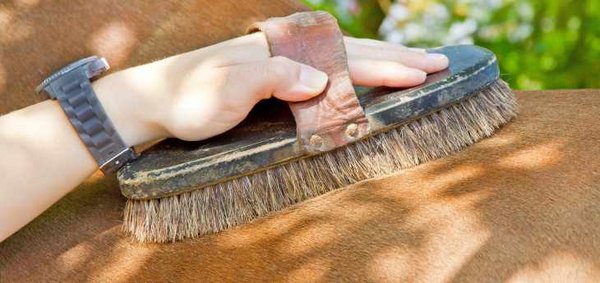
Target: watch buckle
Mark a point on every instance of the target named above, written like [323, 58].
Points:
[97, 67]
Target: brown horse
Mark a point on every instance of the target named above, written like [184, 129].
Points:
[522, 205]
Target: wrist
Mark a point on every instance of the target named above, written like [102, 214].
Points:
[129, 106]
[141, 100]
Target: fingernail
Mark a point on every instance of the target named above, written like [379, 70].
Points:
[312, 78]
[418, 74]
[418, 50]
[437, 56]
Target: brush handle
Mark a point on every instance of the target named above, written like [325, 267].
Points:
[334, 118]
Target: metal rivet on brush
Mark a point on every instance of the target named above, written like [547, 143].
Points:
[316, 141]
[352, 130]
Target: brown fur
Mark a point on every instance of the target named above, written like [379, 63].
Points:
[521, 205]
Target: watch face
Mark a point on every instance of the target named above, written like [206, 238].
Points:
[67, 69]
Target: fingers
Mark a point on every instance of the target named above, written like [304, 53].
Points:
[357, 42]
[276, 76]
[240, 50]
[254, 47]
[371, 63]
[292, 81]
[360, 49]
[378, 63]
[384, 73]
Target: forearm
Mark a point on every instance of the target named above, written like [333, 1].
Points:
[42, 160]
[42, 157]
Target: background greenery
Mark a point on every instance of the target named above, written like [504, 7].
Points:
[540, 44]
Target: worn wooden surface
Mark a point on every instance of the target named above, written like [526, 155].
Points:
[521, 205]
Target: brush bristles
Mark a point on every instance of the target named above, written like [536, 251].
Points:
[215, 208]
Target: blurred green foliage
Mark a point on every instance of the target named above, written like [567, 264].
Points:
[540, 44]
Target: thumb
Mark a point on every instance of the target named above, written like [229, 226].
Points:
[279, 77]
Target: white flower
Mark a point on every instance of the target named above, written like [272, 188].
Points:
[395, 36]
[461, 32]
[480, 13]
[525, 11]
[439, 11]
[465, 40]
[489, 32]
[433, 24]
[414, 32]
[522, 32]
[387, 25]
[493, 4]
[436, 14]
[398, 12]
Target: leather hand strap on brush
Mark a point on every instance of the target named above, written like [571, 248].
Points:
[335, 117]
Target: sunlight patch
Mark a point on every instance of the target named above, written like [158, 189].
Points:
[114, 41]
[558, 267]
[534, 157]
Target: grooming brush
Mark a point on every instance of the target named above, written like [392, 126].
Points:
[279, 155]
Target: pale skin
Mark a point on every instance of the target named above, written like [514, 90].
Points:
[191, 96]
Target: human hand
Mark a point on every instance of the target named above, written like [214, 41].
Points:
[203, 93]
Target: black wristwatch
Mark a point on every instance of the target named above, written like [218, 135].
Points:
[71, 87]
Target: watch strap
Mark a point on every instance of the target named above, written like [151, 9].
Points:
[78, 100]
